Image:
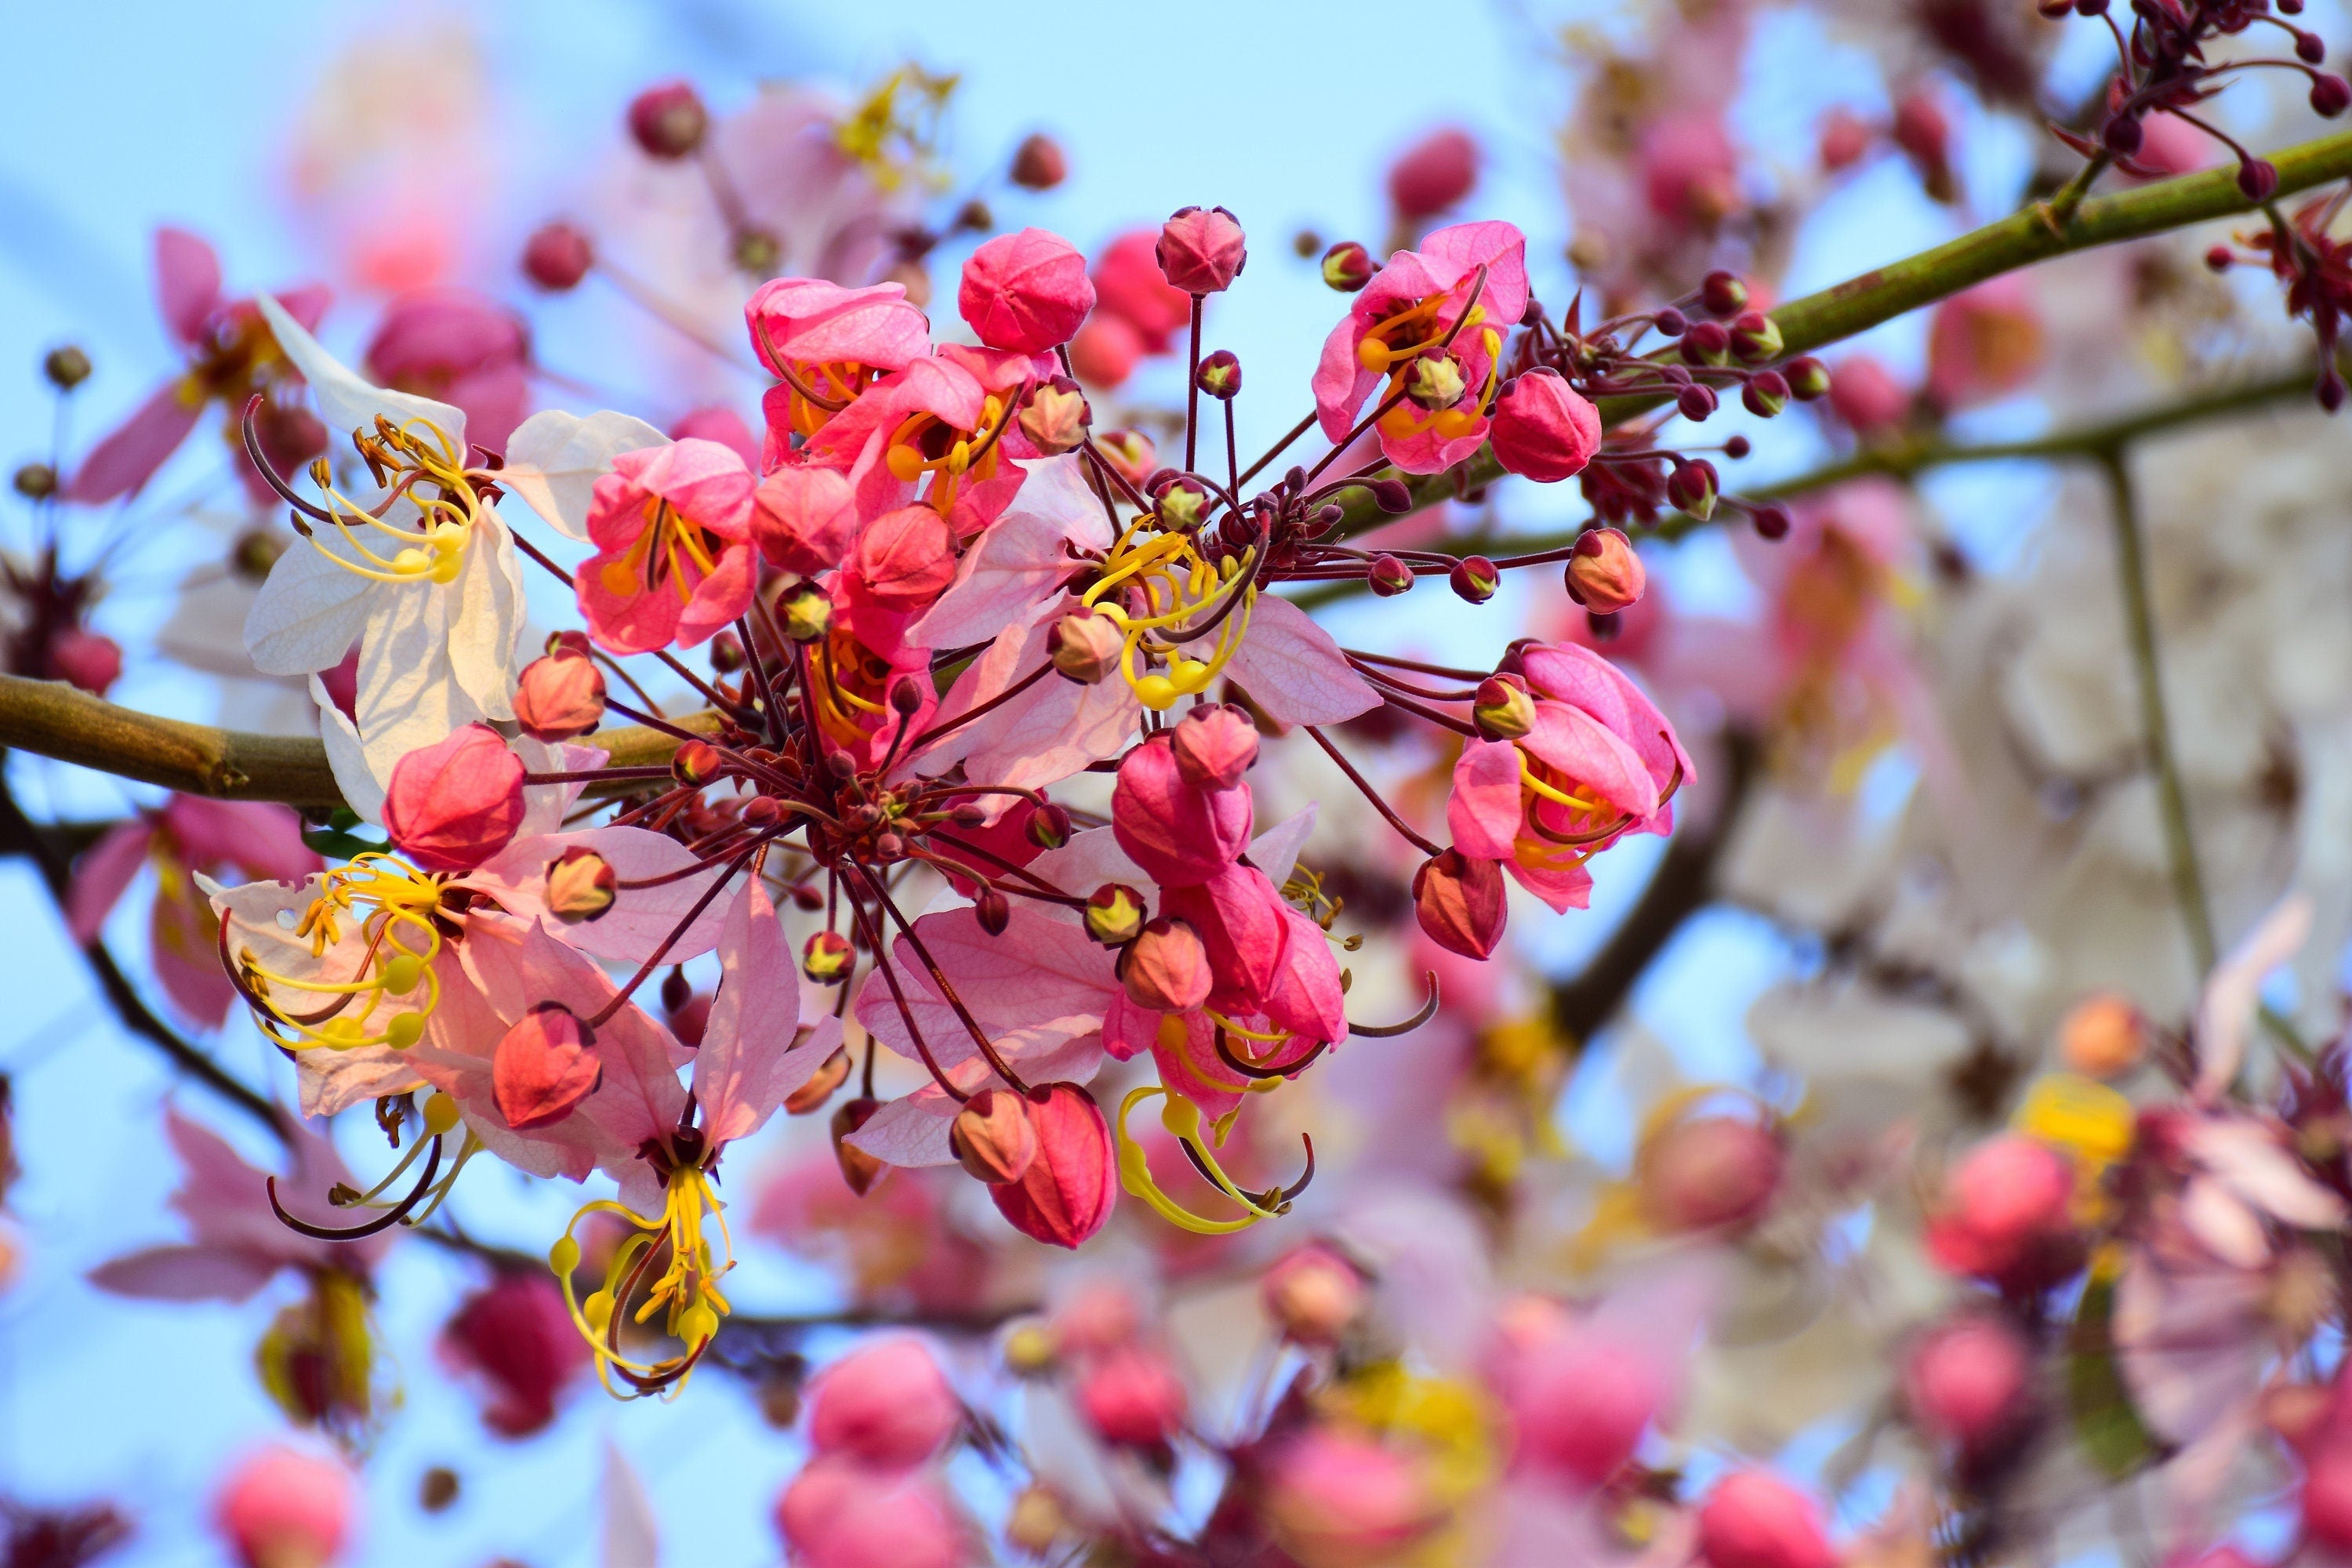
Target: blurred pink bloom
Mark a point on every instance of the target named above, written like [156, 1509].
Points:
[1755, 1520]
[460, 347]
[1337, 1500]
[717, 422]
[515, 1337]
[1579, 1403]
[1434, 174]
[885, 1405]
[838, 1514]
[1966, 1382]
[282, 1509]
[2007, 1215]
[1985, 343]
[672, 527]
[1690, 171]
[897, 1245]
[1132, 1396]
[1313, 1294]
[1702, 1172]
[1129, 285]
[1864, 395]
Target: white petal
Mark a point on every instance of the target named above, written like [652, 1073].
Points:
[488, 619]
[345, 402]
[631, 1540]
[2230, 995]
[554, 459]
[362, 790]
[306, 615]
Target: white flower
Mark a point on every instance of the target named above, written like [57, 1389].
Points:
[429, 590]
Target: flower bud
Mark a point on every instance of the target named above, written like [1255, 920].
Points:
[807, 615]
[544, 1065]
[1313, 1295]
[1705, 344]
[1334, 1498]
[1435, 382]
[1473, 579]
[560, 696]
[1544, 428]
[1722, 293]
[1166, 968]
[1348, 267]
[281, 1509]
[1048, 826]
[858, 1168]
[1107, 348]
[812, 1095]
[1844, 139]
[453, 805]
[907, 557]
[696, 763]
[1389, 576]
[1201, 250]
[1214, 745]
[1134, 1397]
[2123, 134]
[2330, 95]
[1179, 506]
[516, 1337]
[1709, 1173]
[1755, 337]
[2103, 1036]
[557, 256]
[2258, 179]
[581, 885]
[1025, 292]
[885, 1404]
[1038, 163]
[1808, 378]
[1692, 488]
[1765, 394]
[1434, 174]
[1752, 1520]
[1114, 914]
[1130, 452]
[1966, 1381]
[2008, 1214]
[83, 658]
[1459, 903]
[1221, 375]
[804, 518]
[1031, 1349]
[1770, 522]
[1671, 323]
[1391, 496]
[1067, 1193]
[1696, 402]
[1605, 574]
[1036, 1521]
[669, 121]
[36, 482]
[1055, 417]
[993, 910]
[826, 956]
[67, 367]
[1502, 708]
[990, 1136]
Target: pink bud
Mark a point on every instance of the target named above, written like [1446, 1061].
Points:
[1099, 1315]
[1128, 282]
[990, 1136]
[85, 659]
[907, 557]
[1544, 428]
[1708, 1171]
[1179, 834]
[516, 1335]
[1039, 164]
[1085, 645]
[1434, 174]
[453, 805]
[1214, 745]
[1580, 1405]
[1966, 1380]
[2007, 1215]
[1166, 968]
[838, 1514]
[1925, 134]
[1055, 417]
[281, 1509]
[1459, 903]
[804, 519]
[1312, 1295]
[1753, 1520]
[1105, 350]
[1025, 292]
[884, 1404]
[560, 696]
[557, 256]
[669, 120]
[1067, 1193]
[2327, 1497]
[544, 1065]
[1845, 138]
[1130, 452]
[1864, 395]
[1605, 574]
[1133, 1396]
[1201, 250]
[1335, 1499]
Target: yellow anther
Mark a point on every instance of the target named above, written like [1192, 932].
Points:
[1182, 1118]
[401, 974]
[341, 1034]
[405, 1030]
[686, 1297]
[392, 909]
[440, 1115]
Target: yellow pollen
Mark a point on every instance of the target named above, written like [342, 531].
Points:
[408, 459]
[686, 1294]
[391, 908]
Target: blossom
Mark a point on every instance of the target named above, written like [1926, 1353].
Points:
[233, 353]
[1443, 308]
[1025, 292]
[455, 804]
[1984, 342]
[430, 592]
[1754, 1520]
[672, 527]
[283, 1508]
[1201, 250]
[514, 1337]
[1599, 761]
[942, 430]
[1544, 429]
[826, 344]
[1433, 174]
[456, 346]
[884, 1404]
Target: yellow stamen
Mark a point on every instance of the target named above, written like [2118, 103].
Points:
[1181, 1118]
[407, 458]
[393, 909]
[686, 1293]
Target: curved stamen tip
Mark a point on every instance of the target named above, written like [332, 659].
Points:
[270, 474]
[1386, 1031]
[383, 1222]
[1258, 1071]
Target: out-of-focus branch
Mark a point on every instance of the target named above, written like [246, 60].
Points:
[1681, 887]
[53, 719]
[2034, 233]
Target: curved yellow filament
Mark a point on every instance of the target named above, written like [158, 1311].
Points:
[402, 459]
[392, 909]
[1182, 1118]
[686, 1292]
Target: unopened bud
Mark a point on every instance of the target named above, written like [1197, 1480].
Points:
[1755, 337]
[1435, 382]
[1692, 488]
[1348, 267]
[1313, 1295]
[1201, 250]
[1696, 402]
[1393, 497]
[1707, 343]
[1114, 913]
[826, 957]
[858, 1168]
[1671, 323]
[1049, 828]
[1039, 165]
[1221, 375]
[1605, 574]
[994, 910]
[580, 885]
[1389, 576]
[2219, 259]
[1213, 746]
[991, 1137]
[67, 367]
[560, 696]
[1502, 708]
[812, 1095]
[726, 652]
[1769, 521]
[1475, 579]
[557, 256]
[1458, 902]
[1766, 393]
[2258, 179]
[1179, 506]
[2122, 134]
[2103, 1036]
[2330, 95]
[669, 121]
[905, 696]
[36, 481]
[1722, 293]
[1808, 378]
[1130, 452]
[808, 616]
[1055, 417]
[1166, 968]
[697, 763]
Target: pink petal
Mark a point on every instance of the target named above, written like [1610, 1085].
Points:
[99, 877]
[1588, 755]
[640, 918]
[142, 444]
[1292, 668]
[185, 1273]
[187, 282]
[750, 1058]
[1483, 813]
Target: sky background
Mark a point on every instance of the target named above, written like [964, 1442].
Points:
[119, 117]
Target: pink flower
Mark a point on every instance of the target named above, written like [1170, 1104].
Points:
[1966, 1381]
[884, 1404]
[1132, 1396]
[1707, 1172]
[1690, 173]
[1181, 834]
[906, 558]
[1544, 429]
[1579, 1403]
[941, 431]
[231, 356]
[281, 1509]
[1201, 250]
[560, 695]
[1433, 174]
[1984, 343]
[1105, 350]
[1025, 292]
[826, 344]
[458, 347]
[453, 805]
[1754, 1520]
[1313, 1294]
[2327, 1497]
[1864, 395]
[1067, 1190]
[672, 527]
[2007, 1215]
[1400, 341]
[515, 1336]
[1600, 762]
[1129, 286]
[1337, 1500]
[838, 1514]
[804, 518]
